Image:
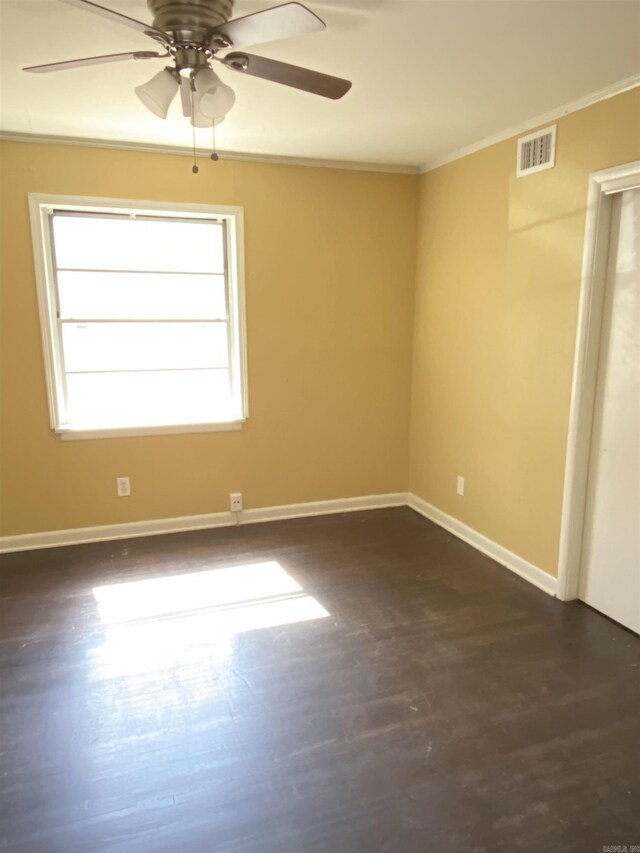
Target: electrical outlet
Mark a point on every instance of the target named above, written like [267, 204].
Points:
[460, 486]
[235, 501]
[123, 487]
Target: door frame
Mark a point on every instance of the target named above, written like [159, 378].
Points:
[602, 186]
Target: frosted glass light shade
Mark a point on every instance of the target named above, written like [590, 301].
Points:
[199, 120]
[215, 98]
[158, 93]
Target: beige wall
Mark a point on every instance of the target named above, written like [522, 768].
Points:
[498, 275]
[330, 260]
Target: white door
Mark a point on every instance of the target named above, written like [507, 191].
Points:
[610, 569]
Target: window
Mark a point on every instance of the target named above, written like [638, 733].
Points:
[141, 306]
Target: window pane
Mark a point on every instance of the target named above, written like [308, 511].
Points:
[102, 243]
[140, 296]
[103, 400]
[144, 346]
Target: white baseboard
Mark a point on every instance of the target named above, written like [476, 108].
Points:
[159, 526]
[273, 513]
[528, 571]
[156, 527]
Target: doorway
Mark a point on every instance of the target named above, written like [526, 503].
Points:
[600, 542]
[610, 564]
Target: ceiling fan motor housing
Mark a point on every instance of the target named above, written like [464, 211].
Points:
[190, 20]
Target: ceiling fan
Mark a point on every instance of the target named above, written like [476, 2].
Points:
[193, 33]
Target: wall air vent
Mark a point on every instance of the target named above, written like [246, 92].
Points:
[537, 151]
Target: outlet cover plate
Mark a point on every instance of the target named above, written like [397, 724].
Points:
[123, 487]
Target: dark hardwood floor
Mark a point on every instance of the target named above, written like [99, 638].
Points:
[443, 704]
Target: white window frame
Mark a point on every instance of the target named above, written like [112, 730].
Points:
[41, 207]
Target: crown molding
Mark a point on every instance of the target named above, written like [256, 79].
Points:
[276, 160]
[154, 148]
[532, 123]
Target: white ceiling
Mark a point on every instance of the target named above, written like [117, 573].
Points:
[429, 78]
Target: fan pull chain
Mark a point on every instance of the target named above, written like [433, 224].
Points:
[194, 168]
[214, 153]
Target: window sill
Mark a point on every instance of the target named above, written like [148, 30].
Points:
[128, 432]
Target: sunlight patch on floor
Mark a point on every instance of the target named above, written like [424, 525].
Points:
[174, 621]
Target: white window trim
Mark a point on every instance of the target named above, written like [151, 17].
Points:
[39, 207]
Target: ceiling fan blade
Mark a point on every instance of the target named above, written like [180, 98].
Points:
[279, 22]
[185, 95]
[289, 75]
[119, 18]
[93, 60]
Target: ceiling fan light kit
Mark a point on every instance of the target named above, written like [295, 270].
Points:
[193, 33]
[214, 98]
[158, 92]
[200, 120]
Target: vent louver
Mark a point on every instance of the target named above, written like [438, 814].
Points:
[537, 151]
